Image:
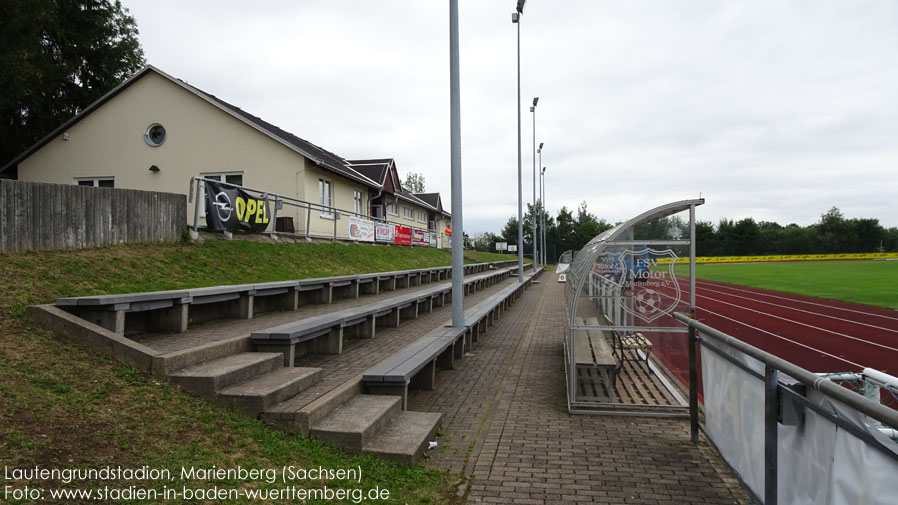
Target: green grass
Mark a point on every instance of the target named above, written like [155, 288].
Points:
[865, 282]
[62, 406]
[488, 257]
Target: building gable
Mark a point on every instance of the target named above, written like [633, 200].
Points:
[318, 156]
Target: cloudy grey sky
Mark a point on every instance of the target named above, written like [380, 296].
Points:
[774, 109]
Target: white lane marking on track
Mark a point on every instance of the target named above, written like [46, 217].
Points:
[784, 319]
[800, 323]
[784, 338]
[704, 289]
[737, 288]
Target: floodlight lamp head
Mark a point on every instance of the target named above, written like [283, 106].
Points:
[541, 146]
[514, 17]
[521, 6]
[544, 169]
[535, 99]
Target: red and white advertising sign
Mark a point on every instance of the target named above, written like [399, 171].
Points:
[403, 235]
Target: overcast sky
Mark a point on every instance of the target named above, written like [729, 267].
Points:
[772, 109]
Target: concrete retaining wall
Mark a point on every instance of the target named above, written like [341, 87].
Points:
[41, 217]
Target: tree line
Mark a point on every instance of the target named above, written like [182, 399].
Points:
[833, 234]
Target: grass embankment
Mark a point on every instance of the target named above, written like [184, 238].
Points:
[489, 257]
[64, 407]
[866, 282]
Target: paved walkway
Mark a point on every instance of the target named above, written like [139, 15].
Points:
[509, 434]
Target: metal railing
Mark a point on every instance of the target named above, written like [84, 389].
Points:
[280, 201]
[774, 393]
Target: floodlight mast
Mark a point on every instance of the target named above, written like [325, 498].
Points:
[516, 19]
[542, 207]
[458, 263]
[543, 189]
[533, 217]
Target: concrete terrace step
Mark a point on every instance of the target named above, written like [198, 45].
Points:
[353, 424]
[406, 436]
[212, 376]
[182, 351]
[255, 395]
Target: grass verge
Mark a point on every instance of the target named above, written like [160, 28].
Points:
[866, 282]
[63, 407]
[489, 257]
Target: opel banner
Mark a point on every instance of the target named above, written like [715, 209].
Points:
[232, 209]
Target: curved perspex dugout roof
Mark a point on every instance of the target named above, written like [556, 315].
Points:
[605, 242]
[620, 294]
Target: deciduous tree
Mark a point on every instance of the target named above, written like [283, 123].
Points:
[56, 58]
[414, 183]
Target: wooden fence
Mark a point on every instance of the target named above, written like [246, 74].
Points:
[40, 217]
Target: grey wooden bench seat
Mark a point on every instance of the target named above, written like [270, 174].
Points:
[479, 317]
[293, 339]
[303, 337]
[171, 311]
[415, 365]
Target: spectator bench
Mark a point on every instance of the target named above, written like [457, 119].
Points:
[630, 341]
[174, 310]
[324, 334]
[415, 365]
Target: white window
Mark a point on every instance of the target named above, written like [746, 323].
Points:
[235, 178]
[357, 199]
[422, 216]
[325, 197]
[407, 212]
[97, 182]
[391, 209]
[155, 135]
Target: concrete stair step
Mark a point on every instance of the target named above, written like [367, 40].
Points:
[353, 424]
[405, 437]
[197, 354]
[256, 395]
[212, 376]
[298, 414]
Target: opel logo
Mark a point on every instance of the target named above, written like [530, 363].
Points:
[223, 204]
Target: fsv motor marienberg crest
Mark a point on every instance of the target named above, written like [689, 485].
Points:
[643, 282]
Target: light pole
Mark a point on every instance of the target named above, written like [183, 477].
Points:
[458, 262]
[516, 18]
[533, 216]
[543, 198]
[542, 230]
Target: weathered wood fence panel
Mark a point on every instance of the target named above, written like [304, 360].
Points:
[36, 216]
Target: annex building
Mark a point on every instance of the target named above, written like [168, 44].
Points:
[155, 132]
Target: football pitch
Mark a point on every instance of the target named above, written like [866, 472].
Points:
[865, 282]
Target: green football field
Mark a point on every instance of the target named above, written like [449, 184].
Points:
[867, 282]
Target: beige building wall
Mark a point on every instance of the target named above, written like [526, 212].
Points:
[343, 198]
[200, 139]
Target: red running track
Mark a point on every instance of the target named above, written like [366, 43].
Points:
[815, 334]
